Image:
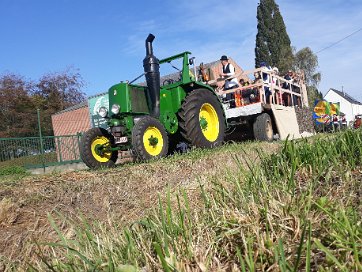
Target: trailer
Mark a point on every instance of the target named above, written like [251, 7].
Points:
[267, 108]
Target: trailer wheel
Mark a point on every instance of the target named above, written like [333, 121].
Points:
[149, 139]
[91, 151]
[202, 121]
[263, 128]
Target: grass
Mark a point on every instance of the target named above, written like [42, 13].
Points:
[12, 170]
[28, 160]
[298, 209]
[12, 174]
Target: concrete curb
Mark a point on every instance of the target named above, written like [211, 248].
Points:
[58, 168]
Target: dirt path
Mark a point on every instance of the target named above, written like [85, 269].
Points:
[124, 194]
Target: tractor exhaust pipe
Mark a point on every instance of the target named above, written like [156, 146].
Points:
[151, 66]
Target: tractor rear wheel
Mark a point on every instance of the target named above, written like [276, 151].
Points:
[93, 149]
[263, 128]
[202, 120]
[149, 139]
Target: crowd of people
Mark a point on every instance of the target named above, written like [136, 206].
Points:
[283, 94]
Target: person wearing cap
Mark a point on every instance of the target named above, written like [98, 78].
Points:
[227, 73]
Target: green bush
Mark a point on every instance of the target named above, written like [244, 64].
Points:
[12, 170]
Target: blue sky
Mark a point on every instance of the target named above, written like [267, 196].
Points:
[105, 39]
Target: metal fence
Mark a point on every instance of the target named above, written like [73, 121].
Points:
[35, 152]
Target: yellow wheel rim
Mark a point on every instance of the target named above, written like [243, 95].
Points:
[153, 141]
[209, 122]
[99, 141]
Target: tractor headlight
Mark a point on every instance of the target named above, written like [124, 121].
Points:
[115, 108]
[102, 112]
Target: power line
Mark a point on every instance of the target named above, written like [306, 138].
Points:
[333, 44]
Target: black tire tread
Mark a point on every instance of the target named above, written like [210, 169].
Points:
[189, 119]
[259, 127]
[137, 138]
[86, 152]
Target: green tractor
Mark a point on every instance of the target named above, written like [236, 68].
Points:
[146, 120]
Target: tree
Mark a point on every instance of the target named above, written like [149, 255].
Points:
[55, 92]
[16, 108]
[272, 41]
[313, 95]
[20, 99]
[305, 60]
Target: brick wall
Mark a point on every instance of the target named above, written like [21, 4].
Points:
[70, 122]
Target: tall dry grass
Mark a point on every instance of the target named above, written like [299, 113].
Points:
[296, 210]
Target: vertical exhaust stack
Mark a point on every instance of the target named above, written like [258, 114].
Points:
[151, 67]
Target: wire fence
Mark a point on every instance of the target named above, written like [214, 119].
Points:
[36, 152]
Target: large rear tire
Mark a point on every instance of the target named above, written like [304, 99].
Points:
[263, 128]
[149, 139]
[202, 121]
[91, 153]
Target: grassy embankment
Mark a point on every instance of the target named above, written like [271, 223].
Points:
[16, 166]
[298, 209]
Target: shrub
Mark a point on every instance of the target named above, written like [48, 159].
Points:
[12, 170]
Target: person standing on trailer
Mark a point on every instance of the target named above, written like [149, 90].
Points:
[267, 80]
[287, 97]
[227, 72]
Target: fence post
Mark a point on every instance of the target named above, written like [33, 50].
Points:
[41, 141]
[79, 134]
[59, 149]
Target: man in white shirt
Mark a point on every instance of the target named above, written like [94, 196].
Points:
[227, 71]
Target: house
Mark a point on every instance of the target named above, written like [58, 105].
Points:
[348, 105]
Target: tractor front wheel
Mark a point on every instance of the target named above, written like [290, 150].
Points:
[95, 149]
[202, 121]
[149, 139]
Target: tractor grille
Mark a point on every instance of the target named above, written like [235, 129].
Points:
[139, 100]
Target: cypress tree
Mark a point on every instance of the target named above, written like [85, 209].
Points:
[272, 40]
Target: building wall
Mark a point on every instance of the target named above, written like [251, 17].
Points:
[71, 122]
[94, 103]
[356, 109]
